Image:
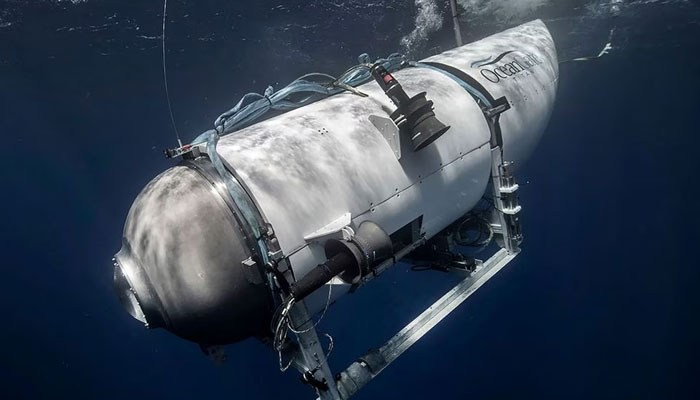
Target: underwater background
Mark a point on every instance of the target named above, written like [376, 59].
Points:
[603, 302]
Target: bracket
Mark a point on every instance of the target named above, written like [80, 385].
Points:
[339, 227]
[387, 127]
[505, 200]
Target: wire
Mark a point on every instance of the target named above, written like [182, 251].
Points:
[165, 77]
[484, 229]
[323, 314]
[281, 326]
[491, 201]
[331, 344]
[300, 92]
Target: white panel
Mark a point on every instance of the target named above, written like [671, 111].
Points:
[310, 165]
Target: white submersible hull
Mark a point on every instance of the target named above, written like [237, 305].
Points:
[192, 264]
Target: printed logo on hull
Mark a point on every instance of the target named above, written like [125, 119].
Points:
[502, 68]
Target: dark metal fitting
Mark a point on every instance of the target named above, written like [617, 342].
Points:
[188, 152]
[309, 378]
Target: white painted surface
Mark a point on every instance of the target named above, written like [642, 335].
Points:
[309, 166]
[531, 93]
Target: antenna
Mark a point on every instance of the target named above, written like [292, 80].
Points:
[165, 78]
[455, 20]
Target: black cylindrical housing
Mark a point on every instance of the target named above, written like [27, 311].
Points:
[421, 120]
[389, 85]
[323, 273]
[347, 258]
[421, 123]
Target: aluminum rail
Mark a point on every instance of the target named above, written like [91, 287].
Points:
[362, 371]
[415, 330]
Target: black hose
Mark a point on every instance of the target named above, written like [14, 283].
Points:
[323, 273]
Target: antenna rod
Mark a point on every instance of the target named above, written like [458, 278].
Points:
[165, 78]
[455, 20]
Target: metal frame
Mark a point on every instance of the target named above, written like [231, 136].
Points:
[309, 357]
[362, 371]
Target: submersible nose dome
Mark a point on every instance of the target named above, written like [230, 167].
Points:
[180, 265]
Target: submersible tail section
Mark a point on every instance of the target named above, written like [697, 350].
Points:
[333, 192]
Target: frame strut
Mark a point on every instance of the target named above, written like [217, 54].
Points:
[415, 330]
[313, 360]
[362, 371]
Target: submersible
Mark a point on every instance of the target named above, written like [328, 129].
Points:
[334, 192]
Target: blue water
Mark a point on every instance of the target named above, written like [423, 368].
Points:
[602, 303]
